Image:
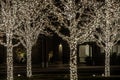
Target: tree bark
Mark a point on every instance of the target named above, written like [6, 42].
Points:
[29, 61]
[73, 62]
[9, 57]
[107, 61]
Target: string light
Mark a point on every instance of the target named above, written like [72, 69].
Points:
[7, 26]
[25, 12]
[108, 29]
[21, 12]
[29, 11]
[77, 35]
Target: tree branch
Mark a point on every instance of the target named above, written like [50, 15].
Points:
[16, 44]
[58, 33]
[22, 42]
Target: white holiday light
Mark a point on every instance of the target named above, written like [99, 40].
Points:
[108, 29]
[78, 34]
[7, 26]
[29, 11]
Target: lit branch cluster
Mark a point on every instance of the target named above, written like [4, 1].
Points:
[32, 18]
[78, 17]
[8, 25]
[23, 20]
[108, 25]
[26, 19]
[108, 29]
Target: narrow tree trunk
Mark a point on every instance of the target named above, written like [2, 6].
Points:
[29, 61]
[107, 62]
[9, 58]
[107, 38]
[73, 62]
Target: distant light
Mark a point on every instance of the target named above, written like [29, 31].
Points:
[94, 75]
[60, 45]
[103, 75]
[19, 75]
[60, 48]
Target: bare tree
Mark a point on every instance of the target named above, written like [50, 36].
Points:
[9, 23]
[108, 29]
[32, 21]
[77, 17]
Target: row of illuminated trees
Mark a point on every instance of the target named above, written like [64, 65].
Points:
[86, 20]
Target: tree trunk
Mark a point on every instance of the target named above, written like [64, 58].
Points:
[73, 62]
[107, 61]
[29, 61]
[9, 57]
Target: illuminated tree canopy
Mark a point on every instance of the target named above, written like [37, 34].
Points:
[75, 21]
[8, 25]
[32, 20]
[108, 29]
[77, 18]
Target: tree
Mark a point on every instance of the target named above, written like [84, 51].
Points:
[108, 29]
[77, 17]
[9, 24]
[32, 21]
